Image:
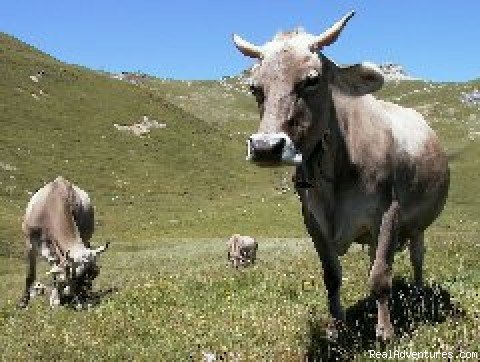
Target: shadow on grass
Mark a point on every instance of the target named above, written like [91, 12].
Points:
[409, 308]
[92, 299]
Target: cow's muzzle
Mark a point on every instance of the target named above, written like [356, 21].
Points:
[272, 149]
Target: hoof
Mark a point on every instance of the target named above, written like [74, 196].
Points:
[79, 306]
[384, 333]
[78, 303]
[23, 303]
[333, 330]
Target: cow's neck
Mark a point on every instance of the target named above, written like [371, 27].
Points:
[341, 109]
[327, 163]
[320, 161]
[64, 234]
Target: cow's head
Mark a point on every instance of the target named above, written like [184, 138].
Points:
[80, 265]
[291, 84]
[83, 266]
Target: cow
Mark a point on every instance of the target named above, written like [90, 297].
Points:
[58, 224]
[367, 171]
[241, 250]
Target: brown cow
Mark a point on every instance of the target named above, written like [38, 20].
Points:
[369, 171]
[58, 224]
[241, 250]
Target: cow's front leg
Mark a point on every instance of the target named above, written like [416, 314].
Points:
[381, 273]
[320, 230]
[55, 296]
[332, 277]
[31, 273]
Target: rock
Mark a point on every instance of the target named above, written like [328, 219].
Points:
[134, 78]
[7, 167]
[470, 97]
[35, 78]
[142, 128]
[395, 72]
[390, 71]
[37, 289]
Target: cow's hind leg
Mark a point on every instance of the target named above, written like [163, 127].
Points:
[381, 273]
[417, 251]
[31, 260]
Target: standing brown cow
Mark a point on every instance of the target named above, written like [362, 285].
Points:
[372, 172]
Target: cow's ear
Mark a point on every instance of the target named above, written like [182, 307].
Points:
[356, 80]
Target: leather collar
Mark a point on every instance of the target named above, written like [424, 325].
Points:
[307, 181]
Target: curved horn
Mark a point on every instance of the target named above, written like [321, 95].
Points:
[100, 249]
[246, 48]
[330, 35]
[56, 269]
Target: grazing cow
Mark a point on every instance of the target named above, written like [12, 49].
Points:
[242, 250]
[58, 224]
[368, 171]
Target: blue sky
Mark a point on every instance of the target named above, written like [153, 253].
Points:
[438, 40]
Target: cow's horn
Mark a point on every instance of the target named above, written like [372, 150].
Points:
[55, 270]
[330, 36]
[100, 249]
[246, 48]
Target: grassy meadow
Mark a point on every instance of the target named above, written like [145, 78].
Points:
[168, 201]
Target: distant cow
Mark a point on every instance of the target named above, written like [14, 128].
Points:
[369, 171]
[58, 224]
[242, 250]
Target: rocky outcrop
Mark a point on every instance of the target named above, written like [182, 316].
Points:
[471, 97]
[395, 72]
[132, 78]
[141, 128]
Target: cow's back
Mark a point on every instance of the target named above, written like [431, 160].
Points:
[34, 217]
[420, 166]
[409, 129]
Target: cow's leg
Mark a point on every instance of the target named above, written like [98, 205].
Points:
[371, 254]
[254, 254]
[31, 272]
[332, 277]
[381, 273]
[56, 290]
[236, 261]
[77, 295]
[55, 296]
[332, 269]
[417, 251]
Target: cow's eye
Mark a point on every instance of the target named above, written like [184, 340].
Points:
[312, 79]
[309, 83]
[254, 89]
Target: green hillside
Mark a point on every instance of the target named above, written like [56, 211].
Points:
[189, 179]
[169, 200]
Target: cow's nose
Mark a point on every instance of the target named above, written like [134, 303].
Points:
[266, 149]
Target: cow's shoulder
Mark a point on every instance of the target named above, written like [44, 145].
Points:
[367, 136]
[38, 199]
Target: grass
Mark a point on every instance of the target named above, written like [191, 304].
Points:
[168, 201]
